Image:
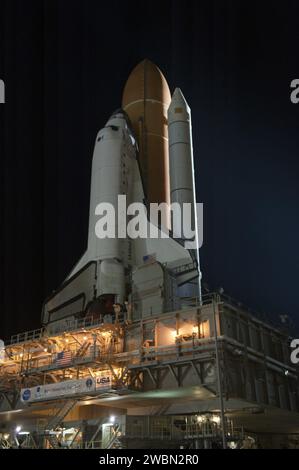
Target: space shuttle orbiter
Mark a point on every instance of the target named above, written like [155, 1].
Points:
[143, 155]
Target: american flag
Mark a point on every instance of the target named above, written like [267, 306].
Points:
[63, 357]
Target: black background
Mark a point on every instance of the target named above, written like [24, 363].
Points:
[65, 64]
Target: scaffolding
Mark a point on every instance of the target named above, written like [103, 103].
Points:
[173, 351]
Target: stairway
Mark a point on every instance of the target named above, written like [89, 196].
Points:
[4, 444]
[73, 443]
[52, 439]
[54, 421]
[114, 442]
[82, 350]
[96, 433]
[53, 424]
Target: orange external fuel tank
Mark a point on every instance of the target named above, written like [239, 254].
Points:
[146, 100]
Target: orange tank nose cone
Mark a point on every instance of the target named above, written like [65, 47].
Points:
[146, 100]
[146, 81]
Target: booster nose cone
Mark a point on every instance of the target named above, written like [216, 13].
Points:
[179, 108]
[146, 99]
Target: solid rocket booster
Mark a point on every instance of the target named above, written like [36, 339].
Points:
[146, 99]
[182, 182]
[181, 161]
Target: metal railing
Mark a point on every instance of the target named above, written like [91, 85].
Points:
[222, 297]
[43, 333]
[90, 322]
[179, 428]
[75, 324]
[52, 361]
[32, 335]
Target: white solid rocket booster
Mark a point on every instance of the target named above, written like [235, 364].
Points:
[182, 183]
[182, 178]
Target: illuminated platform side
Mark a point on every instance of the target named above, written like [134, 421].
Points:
[163, 364]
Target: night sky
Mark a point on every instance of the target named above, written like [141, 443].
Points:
[65, 64]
